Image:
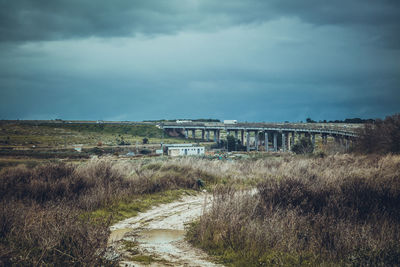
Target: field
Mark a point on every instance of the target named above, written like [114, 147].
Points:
[59, 135]
[268, 209]
[341, 209]
[35, 143]
[59, 213]
[338, 210]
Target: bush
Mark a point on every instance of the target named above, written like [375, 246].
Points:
[44, 211]
[51, 235]
[145, 151]
[337, 210]
[232, 143]
[303, 146]
[381, 137]
[97, 151]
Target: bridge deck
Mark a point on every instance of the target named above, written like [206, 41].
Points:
[342, 129]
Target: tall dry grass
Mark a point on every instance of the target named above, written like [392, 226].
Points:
[342, 209]
[42, 209]
[381, 136]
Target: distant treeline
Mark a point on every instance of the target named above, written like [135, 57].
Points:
[354, 120]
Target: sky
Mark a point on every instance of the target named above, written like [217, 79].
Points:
[249, 60]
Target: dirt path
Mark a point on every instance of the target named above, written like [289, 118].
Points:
[157, 236]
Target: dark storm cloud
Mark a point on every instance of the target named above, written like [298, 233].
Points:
[27, 20]
[248, 60]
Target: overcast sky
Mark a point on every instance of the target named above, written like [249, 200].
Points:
[250, 60]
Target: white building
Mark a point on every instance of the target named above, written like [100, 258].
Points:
[175, 151]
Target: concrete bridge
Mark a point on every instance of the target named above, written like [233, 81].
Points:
[266, 133]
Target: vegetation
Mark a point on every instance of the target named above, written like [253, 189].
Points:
[309, 120]
[303, 146]
[135, 130]
[381, 137]
[337, 210]
[59, 214]
[269, 208]
[352, 120]
[65, 135]
[231, 143]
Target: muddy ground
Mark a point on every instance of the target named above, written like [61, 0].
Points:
[156, 237]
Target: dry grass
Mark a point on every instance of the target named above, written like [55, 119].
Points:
[52, 234]
[43, 218]
[55, 135]
[342, 209]
[380, 137]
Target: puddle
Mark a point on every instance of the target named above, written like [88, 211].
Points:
[118, 234]
[160, 236]
[159, 232]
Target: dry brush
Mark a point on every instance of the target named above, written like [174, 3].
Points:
[342, 209]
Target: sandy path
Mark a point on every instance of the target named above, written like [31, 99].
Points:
[159, 233]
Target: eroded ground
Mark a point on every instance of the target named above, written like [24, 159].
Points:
[156, 237]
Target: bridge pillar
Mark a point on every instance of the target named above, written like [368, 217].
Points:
[215, 136]
[293, 137]
[236, 135]
[283, 141]
[208, 135]
[346, 142]
[337, 139]
[313, 139]
[256, 137]
[266, 141]
[186, 133]
[242, 136]
[218, 135]
[275, 141]
[247, 140]
[289, 141]
[324, 139]
[194, 133]
[341, 141]
[228, 132]
[202, 135]
[299, 135]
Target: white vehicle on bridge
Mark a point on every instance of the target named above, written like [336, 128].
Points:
[230, 121]
[183, 121]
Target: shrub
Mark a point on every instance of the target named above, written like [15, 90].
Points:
[97, 151]
[303, 146]
[337, 210]
[42, 210]
[232, 143]
[51, 235]
[381, 137]
[145, 151]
